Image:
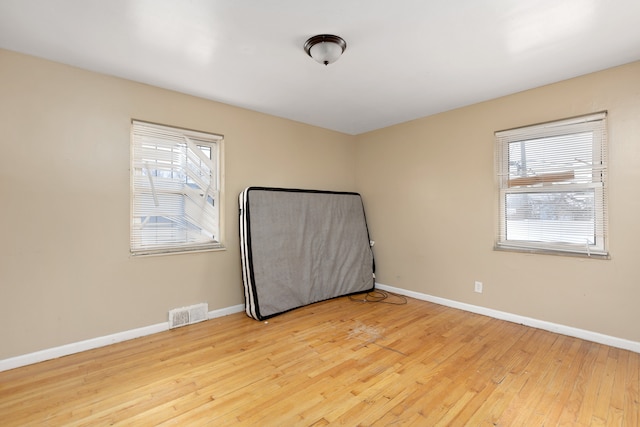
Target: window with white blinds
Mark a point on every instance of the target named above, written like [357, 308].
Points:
[552, 186]
[175, 184]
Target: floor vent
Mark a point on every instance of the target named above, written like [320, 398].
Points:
[188, 315]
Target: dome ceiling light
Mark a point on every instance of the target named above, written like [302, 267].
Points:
[325, 48]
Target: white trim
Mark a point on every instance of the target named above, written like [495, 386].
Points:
[225, 311]
[523, 320]
[77, 347]
[553, 124]
[65, 350]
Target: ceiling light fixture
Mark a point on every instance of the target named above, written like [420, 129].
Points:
[325, 48]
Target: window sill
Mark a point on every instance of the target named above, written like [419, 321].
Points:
[162, 252]
[536, 251]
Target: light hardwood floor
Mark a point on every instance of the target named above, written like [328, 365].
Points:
[337, 362]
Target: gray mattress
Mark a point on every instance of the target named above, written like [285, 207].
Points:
[302, 246]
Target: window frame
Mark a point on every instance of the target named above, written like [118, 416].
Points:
[212, 196]
[541, 184]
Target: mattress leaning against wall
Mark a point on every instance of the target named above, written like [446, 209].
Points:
[302, 246]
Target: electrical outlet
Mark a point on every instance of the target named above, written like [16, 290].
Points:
[478, 287]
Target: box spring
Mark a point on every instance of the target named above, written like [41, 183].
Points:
[299, 247]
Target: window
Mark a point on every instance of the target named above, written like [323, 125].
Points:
[175, 182]
[552, 187]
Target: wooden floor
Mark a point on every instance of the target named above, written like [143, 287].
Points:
[338, 362]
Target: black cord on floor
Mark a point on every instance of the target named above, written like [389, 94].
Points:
[379, 296]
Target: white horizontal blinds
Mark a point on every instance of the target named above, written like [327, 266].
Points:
[553, 185]
[175, 202]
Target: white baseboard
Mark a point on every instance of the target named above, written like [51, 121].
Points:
[64, 350]
[77, 347]
[523, 320]
[225, 311]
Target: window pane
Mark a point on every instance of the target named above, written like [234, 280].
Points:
[562, 158]
[171, 220]
[554, 217]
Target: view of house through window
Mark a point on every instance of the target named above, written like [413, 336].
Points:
[552, 186]
[175, 189]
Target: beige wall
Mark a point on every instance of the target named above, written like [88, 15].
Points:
[65, 270]
[428, 188]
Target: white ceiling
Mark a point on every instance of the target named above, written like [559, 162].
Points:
[405, 59]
